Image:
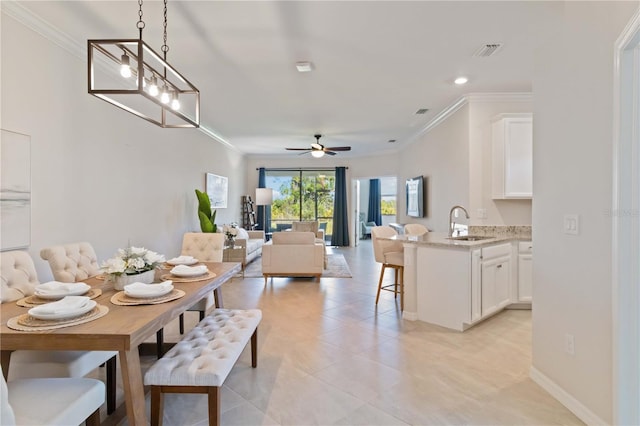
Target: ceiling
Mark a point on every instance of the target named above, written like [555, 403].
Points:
[375, 62]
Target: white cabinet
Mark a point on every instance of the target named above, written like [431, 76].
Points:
[495, 280]
[457, 288]
[525, 271]
[512, 155]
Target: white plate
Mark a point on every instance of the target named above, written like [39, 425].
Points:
[73, 289]
[64, 315]
[162, 290]
[175, 261]
[194, 272]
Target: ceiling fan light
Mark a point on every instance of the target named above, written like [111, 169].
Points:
[317, 154]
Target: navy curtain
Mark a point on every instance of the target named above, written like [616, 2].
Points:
[263, 210]
[340, 234]
[375, 199]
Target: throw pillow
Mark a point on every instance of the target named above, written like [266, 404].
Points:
[243, 234]
[305, 226]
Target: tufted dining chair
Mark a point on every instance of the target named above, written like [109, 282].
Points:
[206, 247]
[391, 255]
[58, 401]
[415, 229]
[71, 262]
[19, 279]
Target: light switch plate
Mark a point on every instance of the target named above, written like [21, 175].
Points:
[571, 224]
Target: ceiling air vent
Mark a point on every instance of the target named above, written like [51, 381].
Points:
[488, 49]
[422, 111]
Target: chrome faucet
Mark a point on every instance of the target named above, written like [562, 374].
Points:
[452, 224]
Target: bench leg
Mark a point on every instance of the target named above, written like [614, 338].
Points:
[93, 419]
[254, 348]
[181, 323]
[213, 393]
[111, 385]
[157, 406]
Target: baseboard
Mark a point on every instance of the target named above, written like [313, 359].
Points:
[575, 406]
[410, 316]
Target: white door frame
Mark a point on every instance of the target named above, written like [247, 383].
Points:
[625, 216]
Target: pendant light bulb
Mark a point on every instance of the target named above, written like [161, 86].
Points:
[153, 86]
[317, 153]
[175, 103]
[125, 69]
[164, 96]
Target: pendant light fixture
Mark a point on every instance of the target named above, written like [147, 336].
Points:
[130, 75]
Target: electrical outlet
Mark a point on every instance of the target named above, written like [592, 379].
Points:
[569, 344]
[482, 213]
[571, 224]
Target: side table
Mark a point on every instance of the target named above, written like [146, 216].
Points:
[236, 253]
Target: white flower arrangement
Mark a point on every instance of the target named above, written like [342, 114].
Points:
[131, 261]
[230, 231]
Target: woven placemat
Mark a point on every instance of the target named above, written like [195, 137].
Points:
[26, 322]
[120, 298]
[175, 279]
[32, 301]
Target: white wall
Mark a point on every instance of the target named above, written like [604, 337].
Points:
[573, 87]
[442, 156]
[499, 212]
[100, 174]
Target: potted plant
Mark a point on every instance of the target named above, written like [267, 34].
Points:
[206, 216]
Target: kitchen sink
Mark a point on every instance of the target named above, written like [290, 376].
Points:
[469, 238]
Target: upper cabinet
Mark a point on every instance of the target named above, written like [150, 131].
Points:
[512, 145]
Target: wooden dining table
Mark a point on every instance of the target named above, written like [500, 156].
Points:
[122, 329]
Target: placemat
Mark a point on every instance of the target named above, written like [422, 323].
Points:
[175, 279]
[169, 266]
[121, 298]
[26, 322]
[33, 300]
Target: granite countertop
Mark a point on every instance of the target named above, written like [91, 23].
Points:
[441, 239]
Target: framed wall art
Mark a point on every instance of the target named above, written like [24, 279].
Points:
[415, 196]
[15, 190]
[217, 188]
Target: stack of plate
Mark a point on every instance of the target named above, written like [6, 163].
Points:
[182, 260]
[144, 291]
[56, 290]
[67, 307]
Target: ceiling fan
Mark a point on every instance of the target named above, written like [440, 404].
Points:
[318, 150]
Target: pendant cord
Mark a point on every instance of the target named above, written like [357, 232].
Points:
[165, 48]
[140, 24]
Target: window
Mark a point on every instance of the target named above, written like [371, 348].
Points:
[301, 195]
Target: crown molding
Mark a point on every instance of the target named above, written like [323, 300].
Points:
[78, 49]
[44, 28]
[467, 99]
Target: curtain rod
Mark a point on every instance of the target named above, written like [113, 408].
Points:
[304, 169]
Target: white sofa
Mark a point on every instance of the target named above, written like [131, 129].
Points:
[252, 242]
[292, 254]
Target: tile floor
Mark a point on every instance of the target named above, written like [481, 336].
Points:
[329, 356]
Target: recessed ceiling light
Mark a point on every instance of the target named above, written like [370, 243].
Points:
[304, 66]
[461, 80]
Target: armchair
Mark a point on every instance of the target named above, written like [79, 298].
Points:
[292, 254]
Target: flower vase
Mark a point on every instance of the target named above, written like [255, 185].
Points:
[121, 280]
[231, 242]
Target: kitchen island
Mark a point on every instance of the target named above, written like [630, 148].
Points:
[457, 283]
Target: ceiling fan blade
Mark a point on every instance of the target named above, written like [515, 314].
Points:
[297, 149]
[306, 151]
[329, 152]
[339, 148]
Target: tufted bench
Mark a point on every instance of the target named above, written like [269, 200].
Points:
[203, 358]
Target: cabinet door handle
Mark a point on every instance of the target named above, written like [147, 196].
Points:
[499, 266]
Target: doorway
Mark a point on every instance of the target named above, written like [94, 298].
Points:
[387, 205]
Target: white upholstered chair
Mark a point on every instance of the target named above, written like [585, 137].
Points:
[206, 247]
[391, 255]
[19, 279]
[71, 262]
[312, 226]
[415, 229]
[51, 402]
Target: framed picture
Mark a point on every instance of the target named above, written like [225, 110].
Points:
[15, 190]
[415, 196]
[217, 188]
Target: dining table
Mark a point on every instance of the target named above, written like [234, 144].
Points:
[122, 329]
